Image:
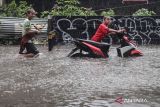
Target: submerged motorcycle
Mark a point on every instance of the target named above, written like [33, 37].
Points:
[93, 49]
[128, 46]
[96, 49]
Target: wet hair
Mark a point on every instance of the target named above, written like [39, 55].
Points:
[106, 17]
[31, 11]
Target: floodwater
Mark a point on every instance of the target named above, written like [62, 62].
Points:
[54, 80]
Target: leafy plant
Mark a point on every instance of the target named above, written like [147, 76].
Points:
[15, 10]
[110, 12]
[144, 12]
[68, 8]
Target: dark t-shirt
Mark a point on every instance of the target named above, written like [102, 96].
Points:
[101, 32]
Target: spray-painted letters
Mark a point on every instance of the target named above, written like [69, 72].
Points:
[145, 30]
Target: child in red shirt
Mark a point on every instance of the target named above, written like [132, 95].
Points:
[103, 30]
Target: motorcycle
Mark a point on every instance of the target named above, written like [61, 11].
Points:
[128, 47]
[93, 49]
[98, 49]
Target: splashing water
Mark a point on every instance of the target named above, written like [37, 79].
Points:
[54, 80]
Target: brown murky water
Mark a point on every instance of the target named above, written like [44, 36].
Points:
[54, 80]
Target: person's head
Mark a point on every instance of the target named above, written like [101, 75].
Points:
[106, 20]
[31, 13]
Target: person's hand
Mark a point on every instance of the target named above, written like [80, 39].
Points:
[122, 30]
[38, 27]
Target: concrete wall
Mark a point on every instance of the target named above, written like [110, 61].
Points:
[145, 30]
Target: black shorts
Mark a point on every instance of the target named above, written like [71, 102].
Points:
[30, 47]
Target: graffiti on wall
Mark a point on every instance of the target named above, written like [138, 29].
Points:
[76, 27]
[145, 30]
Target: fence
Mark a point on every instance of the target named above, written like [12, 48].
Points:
[11, 28]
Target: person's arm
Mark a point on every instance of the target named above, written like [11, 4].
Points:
[31, 32]
[27, 27]
[39, 27]
[116, 31]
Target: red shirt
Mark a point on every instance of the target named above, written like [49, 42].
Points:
[101, 32]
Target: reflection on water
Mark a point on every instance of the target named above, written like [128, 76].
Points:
[54, 80]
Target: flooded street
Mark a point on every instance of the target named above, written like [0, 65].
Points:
[55, 80]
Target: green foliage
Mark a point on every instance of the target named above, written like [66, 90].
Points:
[144, 12]
[110, 12]
[15, 10]
[68, 8]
